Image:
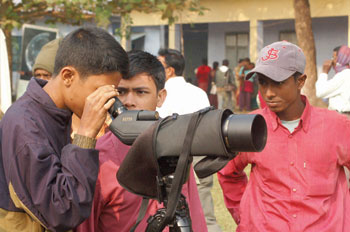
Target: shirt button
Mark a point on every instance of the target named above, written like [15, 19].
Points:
[294, 189]
[292, 163]
[290, 136]
[294, 215]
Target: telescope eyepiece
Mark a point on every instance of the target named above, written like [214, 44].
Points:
[117, 108]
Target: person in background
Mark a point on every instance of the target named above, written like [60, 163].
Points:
[185, 98]
[203, 75]
[47, 181]
[114, 208]
[337, 88]
[254, 98]
[182, 97]
[238, 79]
[213, 99]
[43, 66]
[45, 61]
[225, 85]
[238, 69]
[297, 183]
[246, 87]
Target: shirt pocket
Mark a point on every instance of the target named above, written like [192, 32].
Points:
[321, 171]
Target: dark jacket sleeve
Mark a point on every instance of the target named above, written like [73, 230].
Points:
[57, 190]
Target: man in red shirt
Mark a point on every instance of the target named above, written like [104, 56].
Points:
[297, 183]
[202, 75]
[114, 208]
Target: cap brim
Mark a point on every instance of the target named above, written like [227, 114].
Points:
[272, 72]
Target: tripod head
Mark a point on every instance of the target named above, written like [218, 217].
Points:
[181, 221]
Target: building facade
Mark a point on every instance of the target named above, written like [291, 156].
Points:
[235, 29]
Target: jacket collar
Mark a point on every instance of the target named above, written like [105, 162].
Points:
[37, 93]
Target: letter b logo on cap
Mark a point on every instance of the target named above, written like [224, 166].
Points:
[272, 54]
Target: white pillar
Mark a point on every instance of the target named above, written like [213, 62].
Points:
[162, 36]
[256, 38]
[174, 37]
[171, 36]
[124, 42]
[178, 37]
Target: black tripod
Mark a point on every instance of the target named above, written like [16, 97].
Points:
[181, 221]
[172, 174]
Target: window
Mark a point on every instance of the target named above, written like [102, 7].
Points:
[237, 47]
[289, 36]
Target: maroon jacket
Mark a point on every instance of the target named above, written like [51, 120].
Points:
[52, 178]
[115, 209]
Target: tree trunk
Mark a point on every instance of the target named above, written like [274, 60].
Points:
[306, 42]
[8, 37]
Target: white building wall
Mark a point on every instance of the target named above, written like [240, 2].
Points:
[216, 38]
[329, 33]
[272, 30]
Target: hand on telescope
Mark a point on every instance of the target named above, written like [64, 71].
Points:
[95, 110]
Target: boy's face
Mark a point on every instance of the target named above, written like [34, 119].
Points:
[80, 89]
[281, 97]
[334, 58]
[245, 63]
[140, 93]
[250, 66]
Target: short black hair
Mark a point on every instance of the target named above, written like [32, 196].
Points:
[225, 62]
[144, 62]
[215, 65]
[246, 59]
[204, 61]
[336, 49]
[174, 59]
[92, 51]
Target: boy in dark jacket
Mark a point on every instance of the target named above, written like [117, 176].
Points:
[47, 181]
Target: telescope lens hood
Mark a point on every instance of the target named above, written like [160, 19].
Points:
[245, 133]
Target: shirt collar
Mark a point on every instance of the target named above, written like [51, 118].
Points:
[304, 119]
[173, 80]
[223, 68]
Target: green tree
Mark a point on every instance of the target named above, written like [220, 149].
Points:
[13, 14]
